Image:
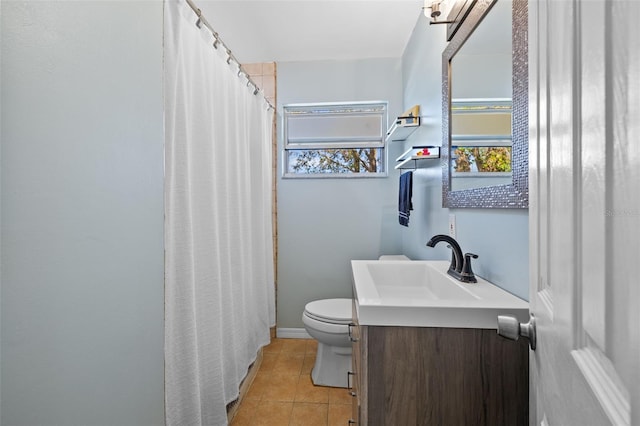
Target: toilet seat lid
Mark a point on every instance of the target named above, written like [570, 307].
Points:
[330, 310]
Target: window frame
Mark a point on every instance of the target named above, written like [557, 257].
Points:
[328, 109]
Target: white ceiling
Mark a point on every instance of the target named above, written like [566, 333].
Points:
[307, 30]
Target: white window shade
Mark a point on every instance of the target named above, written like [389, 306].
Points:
[351, 129]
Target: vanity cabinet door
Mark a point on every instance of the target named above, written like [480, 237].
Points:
[442, 376]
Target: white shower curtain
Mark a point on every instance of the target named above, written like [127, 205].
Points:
[219, 284]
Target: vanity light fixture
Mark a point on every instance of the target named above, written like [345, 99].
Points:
[433, 10]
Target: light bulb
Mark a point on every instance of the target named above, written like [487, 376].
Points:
[426, 7]
[434, 8]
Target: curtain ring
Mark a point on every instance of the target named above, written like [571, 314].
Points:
[199, 21]
[216, 42]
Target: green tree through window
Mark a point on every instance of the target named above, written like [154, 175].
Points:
[485, 159]
[364, 160]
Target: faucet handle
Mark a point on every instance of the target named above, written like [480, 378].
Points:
[467, 272]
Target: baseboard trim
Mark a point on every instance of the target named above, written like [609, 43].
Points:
[292, 333]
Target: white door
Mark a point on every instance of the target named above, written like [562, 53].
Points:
[584, 101]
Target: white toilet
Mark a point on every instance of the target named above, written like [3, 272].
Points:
[327, 321]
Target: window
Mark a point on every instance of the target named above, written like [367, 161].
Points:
[481, 137]
[335, 140]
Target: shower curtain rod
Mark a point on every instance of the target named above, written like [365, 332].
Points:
[202, 21]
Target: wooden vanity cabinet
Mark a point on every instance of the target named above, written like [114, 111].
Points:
[404, 376]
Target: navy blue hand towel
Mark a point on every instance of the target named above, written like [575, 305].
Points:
[404, 198]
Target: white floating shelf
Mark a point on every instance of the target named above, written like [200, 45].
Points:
[403, 128]
[411, 158]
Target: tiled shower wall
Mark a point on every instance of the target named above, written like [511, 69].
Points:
[264, 75]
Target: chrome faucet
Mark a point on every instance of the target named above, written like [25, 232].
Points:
[460, 267]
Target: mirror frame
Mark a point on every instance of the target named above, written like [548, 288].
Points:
[515, 195]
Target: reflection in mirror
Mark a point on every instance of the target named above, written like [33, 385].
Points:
[480, 143]
[485, 127]
[481, 104]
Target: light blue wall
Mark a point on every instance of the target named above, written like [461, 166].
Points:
[499, 237]
[323, 223]
[82, 213]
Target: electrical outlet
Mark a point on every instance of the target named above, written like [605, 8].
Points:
[452, 225]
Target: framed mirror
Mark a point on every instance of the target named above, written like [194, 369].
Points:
[485, 109]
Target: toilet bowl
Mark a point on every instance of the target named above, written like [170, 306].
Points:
[328, 321]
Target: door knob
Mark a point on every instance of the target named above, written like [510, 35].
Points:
[509, 327]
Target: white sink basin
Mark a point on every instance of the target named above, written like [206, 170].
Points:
[415, 280]
[422, 294]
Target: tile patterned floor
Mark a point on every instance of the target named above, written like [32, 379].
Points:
[282, 393]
